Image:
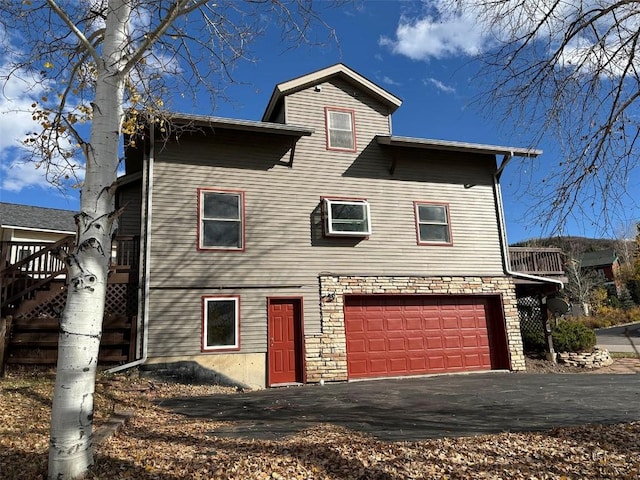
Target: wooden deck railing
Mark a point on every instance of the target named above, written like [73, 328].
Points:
[28, 266]
[537, 261]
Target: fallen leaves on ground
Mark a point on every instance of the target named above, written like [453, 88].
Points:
[159, 445]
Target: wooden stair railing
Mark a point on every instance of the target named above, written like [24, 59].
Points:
[28, 274]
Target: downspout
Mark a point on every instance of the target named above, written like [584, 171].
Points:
[503, 230]
[145, 255]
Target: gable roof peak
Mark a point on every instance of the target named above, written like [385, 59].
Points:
[288, 87]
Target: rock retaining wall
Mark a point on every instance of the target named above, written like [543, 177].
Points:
[598, 358]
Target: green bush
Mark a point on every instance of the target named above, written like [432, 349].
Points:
[609, 317]
[634, 289]
[573, 337]
[533, 341]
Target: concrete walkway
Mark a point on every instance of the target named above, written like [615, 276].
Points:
[427, 407]
[623, 366]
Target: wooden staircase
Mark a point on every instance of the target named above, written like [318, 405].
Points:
[31, 267]
[34, 290]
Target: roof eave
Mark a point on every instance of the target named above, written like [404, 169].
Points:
[425, 143]
[244, 125]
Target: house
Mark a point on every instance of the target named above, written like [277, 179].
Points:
[606, 264]
[316, 245]
[26, 226]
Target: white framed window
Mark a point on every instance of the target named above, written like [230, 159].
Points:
[347, 217]
[340, 129]
[432, 223]
[220, 323]
[221, 220]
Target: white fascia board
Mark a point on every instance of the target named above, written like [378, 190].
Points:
[428, 143]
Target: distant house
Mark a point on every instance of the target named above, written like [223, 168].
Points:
[26, 226]
[605, 263]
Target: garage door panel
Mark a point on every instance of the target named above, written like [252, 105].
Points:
[431, 323]
[454, 361]
[376, 345]
[378, 366]
[397, 344]
[398, 365]
[355, 324]
[358, 368]
[418, 363]
[375, 325]
[452, 342]
[414, 323]
[470, 341]
[436, 363]
[357, 345]
[403, 335]
[473, 360]
[395, 325]
[470, 322]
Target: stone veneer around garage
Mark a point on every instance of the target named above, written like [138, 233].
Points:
[326, 353]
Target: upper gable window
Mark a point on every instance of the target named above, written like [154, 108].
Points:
[340, 129]
[347, 217]
[221, 220]
[432, 223]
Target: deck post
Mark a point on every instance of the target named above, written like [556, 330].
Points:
[5, 336]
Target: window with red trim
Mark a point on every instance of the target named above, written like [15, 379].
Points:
[340, 129]
[221, 220]
[432, 223]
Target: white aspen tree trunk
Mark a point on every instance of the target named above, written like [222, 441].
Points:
[70, 446]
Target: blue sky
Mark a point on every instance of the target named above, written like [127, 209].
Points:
[429, 66]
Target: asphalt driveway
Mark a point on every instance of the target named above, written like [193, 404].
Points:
[427, 407]
[625, 338]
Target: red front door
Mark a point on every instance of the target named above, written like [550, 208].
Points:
[285, 340]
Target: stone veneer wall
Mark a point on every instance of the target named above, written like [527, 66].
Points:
[326, 353]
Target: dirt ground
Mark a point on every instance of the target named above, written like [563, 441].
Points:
[159, 445]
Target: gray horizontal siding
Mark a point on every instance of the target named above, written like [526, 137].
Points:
[284, 244]
[175, 319]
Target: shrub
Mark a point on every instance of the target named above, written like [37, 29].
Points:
[533, 341]
[609, 317]
[573, 337]
[634, 289]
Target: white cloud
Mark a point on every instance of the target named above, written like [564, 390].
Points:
[19, 92]
[390, 81]
[475, 26]
[440, 86]
[436, 35]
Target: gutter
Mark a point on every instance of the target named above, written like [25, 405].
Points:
[503, 230]
[145, 255]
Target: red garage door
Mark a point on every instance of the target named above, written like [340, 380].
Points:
[392, 335]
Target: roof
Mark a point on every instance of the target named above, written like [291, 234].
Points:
[456, 146]
[338, 70]
[37, 218]
[598, 259]
[243, 125]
